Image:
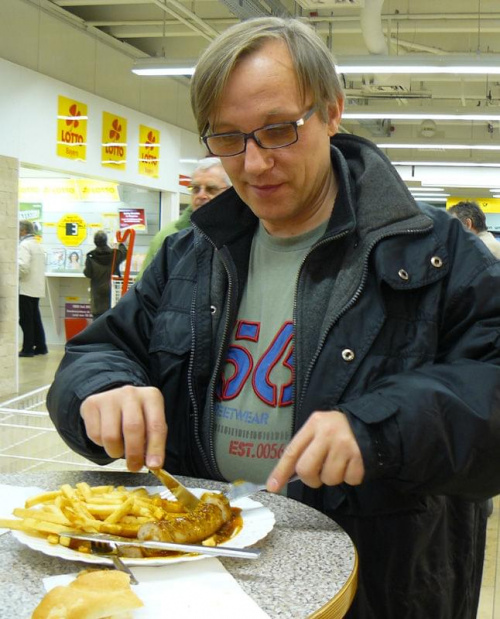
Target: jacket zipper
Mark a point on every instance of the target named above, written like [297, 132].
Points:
[209, 459]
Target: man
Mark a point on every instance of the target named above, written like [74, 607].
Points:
[99, 263]
[208, 180]
[473, 218]
[314, 320]
[31, 261]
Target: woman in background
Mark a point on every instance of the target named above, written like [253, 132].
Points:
[98, 265]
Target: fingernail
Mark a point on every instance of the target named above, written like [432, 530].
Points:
[153, 462]
[272, 484]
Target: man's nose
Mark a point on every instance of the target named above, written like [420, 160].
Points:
[257, 159]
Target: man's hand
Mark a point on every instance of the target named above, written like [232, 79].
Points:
[128, 421]
[324, 451]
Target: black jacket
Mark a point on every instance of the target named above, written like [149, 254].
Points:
[405, 342]
[98, 266]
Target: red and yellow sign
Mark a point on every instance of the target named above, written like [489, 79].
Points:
[114, 141]
[488, 205]
[149, 151]
[71, 129]
[71, 230]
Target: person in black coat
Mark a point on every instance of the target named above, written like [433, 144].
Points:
[98, 266]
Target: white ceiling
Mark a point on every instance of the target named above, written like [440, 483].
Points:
[181, 29]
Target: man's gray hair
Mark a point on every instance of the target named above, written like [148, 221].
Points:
[27, 226]
[313, 62]
[211, 162]
[468, 209]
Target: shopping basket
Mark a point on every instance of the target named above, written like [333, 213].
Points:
[29, 441]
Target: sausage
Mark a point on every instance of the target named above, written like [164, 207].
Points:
[210, 514]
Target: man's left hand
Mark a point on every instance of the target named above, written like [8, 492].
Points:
[324, 451]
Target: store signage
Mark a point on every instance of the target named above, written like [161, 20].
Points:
[114, 141]
[32, 212]
[71, 129]
[77, 310]
[184, 181]
[71, 230]
[67, 189]
[488, 205]
[149, 151]
[133, 218]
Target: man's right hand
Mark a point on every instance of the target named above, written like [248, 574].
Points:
[128, 422]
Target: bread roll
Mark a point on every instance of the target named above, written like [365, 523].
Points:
[100, 594]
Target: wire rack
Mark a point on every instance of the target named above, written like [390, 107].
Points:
[29, 441]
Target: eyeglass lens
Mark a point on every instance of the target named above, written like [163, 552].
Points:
[211, 190]
[272, 136]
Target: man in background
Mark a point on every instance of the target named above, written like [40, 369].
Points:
[31, 261]
[473, 218]
[209, 179]
[98, 267]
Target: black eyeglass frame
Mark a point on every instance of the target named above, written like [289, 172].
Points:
[246, 136]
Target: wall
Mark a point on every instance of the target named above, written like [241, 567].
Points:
[9, 169]
[33, 34]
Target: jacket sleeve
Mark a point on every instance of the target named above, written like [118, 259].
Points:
[24, 259]
[436, 429]
[87, 269]
[111, 352]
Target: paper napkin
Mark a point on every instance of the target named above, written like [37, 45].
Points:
[192, 589]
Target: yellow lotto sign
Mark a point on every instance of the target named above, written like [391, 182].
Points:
[488, 205]
[149, 151]
[71, 129]
[71, 230]
[114, 141]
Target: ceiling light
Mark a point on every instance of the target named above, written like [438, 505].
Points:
[479, 64]
[394, 115]
[428, 196]
[451, 164]
[426, 189]
[432, 146]
[162, 66]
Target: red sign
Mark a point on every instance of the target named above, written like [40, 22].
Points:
[132, 218]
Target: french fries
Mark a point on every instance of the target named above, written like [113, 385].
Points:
[100, 509]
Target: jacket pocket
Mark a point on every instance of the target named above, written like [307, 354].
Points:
[172, 325]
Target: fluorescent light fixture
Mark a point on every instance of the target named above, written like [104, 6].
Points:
[431, 199]
[428, 196]
[473, 64]
[451, 164]
[425, 189]
[432, 146]
[162, 66]
[394, 115]
[496, 196]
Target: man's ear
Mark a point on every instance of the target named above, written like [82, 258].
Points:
[334, 116]
[468, 223]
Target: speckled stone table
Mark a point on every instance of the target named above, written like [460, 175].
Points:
[307, 568]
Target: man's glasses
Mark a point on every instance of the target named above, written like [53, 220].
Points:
[270, 136]
[211, 190]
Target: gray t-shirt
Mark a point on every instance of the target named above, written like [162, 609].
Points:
[254, 412]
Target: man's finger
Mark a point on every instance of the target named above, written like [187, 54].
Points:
[156, 428]
[287, 464]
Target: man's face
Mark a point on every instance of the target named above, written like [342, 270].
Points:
[291, 189]
[206, 184]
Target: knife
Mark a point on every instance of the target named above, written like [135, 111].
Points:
[217, 551]
[181, 493]
[241, 488]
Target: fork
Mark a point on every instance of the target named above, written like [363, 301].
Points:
[110, 550]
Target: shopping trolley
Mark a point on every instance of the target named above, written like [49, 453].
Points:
[29, 441]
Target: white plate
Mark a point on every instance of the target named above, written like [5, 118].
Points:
[257, 522]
